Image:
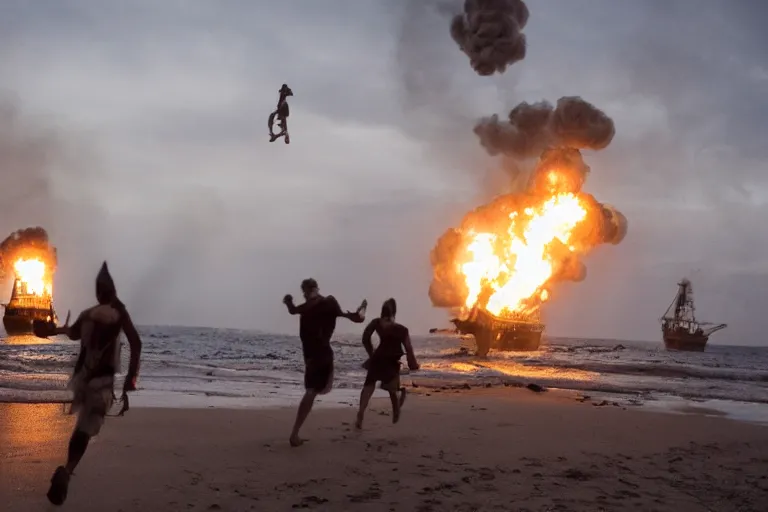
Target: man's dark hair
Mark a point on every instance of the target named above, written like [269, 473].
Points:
[308, 284]
[389, 308]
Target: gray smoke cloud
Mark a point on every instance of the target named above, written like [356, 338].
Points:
[489, 32]
[531, 128]
[46, 179]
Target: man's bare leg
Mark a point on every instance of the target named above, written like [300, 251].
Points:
[305, 407]
[78, 443]
[395, 406]
[365, 398]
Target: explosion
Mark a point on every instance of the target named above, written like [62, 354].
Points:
[28, 256]
[506, 255]
[33, 278]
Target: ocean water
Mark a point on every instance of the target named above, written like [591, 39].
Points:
[183, 366]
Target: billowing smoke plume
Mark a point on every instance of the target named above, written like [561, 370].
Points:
[490, 33]
[28, 243]
[507, 255]
[532, 128]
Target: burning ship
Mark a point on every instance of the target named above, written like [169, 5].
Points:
[27, 255]
[679, 327]
[31, 299]
[509, 332]
[503, 261]
[501, 264]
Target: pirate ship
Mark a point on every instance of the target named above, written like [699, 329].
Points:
[679, 327]
[28, 303]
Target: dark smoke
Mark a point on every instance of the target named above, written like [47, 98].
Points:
[26, 243]
[532, 128]
[490, 33]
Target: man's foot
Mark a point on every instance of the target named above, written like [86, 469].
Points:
[273, 138]
[396, 415]
[402, 396]
[359, 422]
[57, 494]
[296, 441]
[287, 139]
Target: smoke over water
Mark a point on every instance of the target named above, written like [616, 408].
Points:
[489, 32]
[507, 255]
[28, 243]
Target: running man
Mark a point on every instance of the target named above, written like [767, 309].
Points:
[383, 364]
[98, 329]
[317, 322]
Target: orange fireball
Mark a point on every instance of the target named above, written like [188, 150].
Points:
[32, 275]
[516, 264]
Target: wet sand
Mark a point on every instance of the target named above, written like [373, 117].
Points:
[496, 449]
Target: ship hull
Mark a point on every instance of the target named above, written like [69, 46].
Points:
[507, 336]
[18, 323]
[685, 342]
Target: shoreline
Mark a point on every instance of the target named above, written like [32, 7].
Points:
[288, 397]
[477, 449]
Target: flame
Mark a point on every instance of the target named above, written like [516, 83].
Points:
[32, 274]
[514, 265]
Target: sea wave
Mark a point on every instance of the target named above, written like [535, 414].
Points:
[237, 363]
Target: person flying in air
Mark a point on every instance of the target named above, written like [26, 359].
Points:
[281, 113]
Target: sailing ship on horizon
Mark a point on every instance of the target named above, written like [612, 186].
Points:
[679, 327]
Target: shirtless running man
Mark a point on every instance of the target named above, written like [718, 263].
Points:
[98, 329]
[317, 322]
[383, 364]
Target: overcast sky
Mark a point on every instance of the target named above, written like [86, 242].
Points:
[139, 136]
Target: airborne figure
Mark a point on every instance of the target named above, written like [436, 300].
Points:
[281, 113]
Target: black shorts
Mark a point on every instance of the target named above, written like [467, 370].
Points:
[386, 371]
[318, 375]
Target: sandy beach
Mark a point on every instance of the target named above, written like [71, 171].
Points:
[486, 449]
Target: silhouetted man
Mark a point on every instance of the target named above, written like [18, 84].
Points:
[317, 322]
[98, 329]
[383, 364]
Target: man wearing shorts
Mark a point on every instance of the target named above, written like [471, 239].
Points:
[383, 364]
[317, 321]
[98, 329]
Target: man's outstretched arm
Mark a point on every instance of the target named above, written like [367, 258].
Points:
[74, 331]
[358, 316]
[134, 342]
